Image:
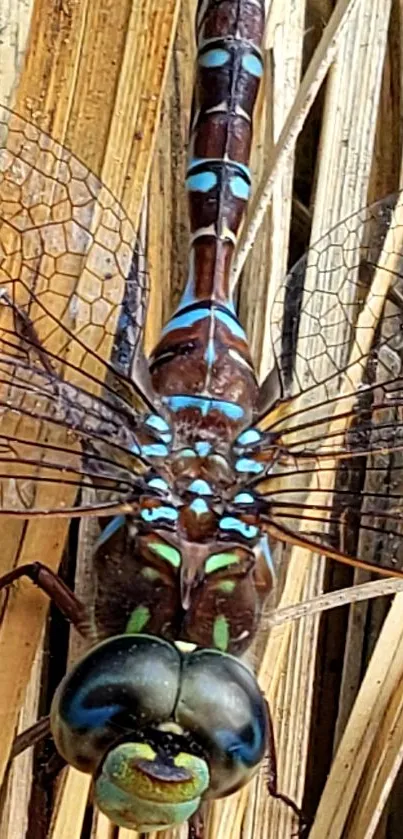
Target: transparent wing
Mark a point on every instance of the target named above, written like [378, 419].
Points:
[314, 315]
[334, 442]
[67, 277]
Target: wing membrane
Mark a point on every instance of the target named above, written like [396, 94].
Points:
[314, 316]
[53, 431]
[66, 263]
[338, 431]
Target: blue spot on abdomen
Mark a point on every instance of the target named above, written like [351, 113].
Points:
[202, 182]
[205, 405]
[239, 188]
[213, 58]
[253, 65]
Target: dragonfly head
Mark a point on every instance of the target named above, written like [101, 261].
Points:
[159, 729]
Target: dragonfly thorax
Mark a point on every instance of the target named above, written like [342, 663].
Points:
[191, 565]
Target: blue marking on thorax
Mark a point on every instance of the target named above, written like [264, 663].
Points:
[239, 188]
[199, 506]
[201, 182]
[183, 320]
[246, 464]
[203, 448]
[205, 405]
[200, 487]
[213, 58]
[248, 531]
[151, 514]
[248, 437]
[155, 450]
[244, 498]
[157, 422]
[158, 483]
[112, 527]
[253, 65]
[187, 452]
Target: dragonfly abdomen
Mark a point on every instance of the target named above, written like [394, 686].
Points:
[204, 350]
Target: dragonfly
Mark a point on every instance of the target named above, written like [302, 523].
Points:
[196, 468]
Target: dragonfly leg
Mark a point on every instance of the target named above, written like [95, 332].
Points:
[52, 768]
[272, 780]
[196, 826]
[66, 601]
[72, 608]
[31, 736]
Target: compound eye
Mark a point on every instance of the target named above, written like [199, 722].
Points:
[115, 689]
[114, 716]
[221, 703]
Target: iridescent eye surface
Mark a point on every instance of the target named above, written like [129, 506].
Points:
[124, 683]
[221, 703]
[105, 720]
[159, 729]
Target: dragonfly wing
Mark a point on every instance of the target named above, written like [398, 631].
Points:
[66, 250]
[315, 309]
[339, 434]
[52, 432]
[66, 258]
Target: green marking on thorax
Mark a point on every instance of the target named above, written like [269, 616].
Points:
[138, 619]
[218, 561]
[150, 573]
[221, 633]
[166, 552]
[226, 586]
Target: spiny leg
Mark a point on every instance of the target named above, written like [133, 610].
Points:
[66, 601]
[31, 736]
[196, 826]
[35, 735]
[71, 607]
[49, 582]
